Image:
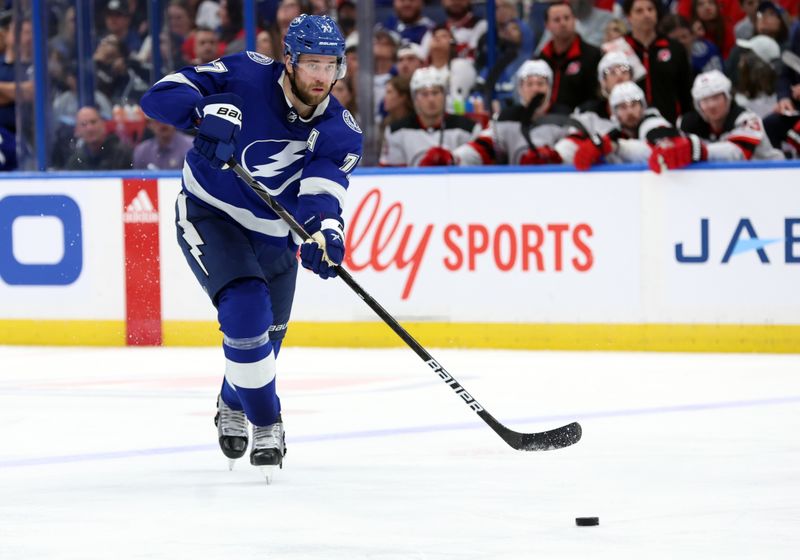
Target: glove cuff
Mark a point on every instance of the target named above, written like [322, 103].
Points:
[699, 150]
[323, 220]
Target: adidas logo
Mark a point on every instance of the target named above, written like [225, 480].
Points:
[140, 210]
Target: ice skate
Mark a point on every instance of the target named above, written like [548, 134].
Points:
[269, 447]
[232, 430]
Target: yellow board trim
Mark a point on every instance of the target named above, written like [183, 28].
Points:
[62, 333]
[542, 336]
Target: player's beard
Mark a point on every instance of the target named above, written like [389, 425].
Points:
[303, 93]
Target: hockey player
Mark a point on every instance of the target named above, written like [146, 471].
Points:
[279, 121]
[522, 134]
[426, 137]
[718, 129]
[637, 128]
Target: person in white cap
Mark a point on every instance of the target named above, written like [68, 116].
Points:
[717, 130]
[409, 59]
[758, 77]
[636, 128]
[522, 134]
[428, 136]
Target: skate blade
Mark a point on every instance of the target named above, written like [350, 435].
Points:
[268, 471]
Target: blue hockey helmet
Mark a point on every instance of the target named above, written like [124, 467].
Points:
[309, 34]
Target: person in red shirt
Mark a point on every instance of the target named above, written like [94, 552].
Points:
[708, 22]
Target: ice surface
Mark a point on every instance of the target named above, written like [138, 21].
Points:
[111, 453]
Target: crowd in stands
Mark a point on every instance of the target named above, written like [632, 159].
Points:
[577, 82]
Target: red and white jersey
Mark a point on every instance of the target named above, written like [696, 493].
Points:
[504, 141]
[407, 141]
[742, 136]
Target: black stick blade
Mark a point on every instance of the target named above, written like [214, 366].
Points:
[537, 441]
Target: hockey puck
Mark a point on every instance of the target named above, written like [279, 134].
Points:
[587, 521]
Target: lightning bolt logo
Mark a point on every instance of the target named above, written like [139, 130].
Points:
[293, 151]
[190, 234]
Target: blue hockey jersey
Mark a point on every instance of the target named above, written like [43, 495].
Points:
[304, 164]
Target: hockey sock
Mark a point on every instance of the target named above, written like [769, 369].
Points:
[245, 314]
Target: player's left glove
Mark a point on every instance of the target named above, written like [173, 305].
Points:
[221, 121]
[540, 156]
[437, 156]
[675, 153]
[324, 250]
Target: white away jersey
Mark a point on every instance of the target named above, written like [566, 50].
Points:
[407, 141]
[742, 136]
[305, 164]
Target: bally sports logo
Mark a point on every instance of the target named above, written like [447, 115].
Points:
[141, 210]
[378, 240]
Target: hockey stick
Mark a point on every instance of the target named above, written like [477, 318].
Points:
[537, 441]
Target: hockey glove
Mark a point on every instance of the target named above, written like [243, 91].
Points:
[324, 250]
[589, 152]
[793, 136]
[437, 156]
[675, 153]
[221, 121]
[540, 156]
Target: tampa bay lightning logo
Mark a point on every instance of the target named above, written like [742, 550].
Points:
[260, 58]
[350, 121]
[277, 164]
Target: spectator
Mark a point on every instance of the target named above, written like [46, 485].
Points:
[427, 137]
[719, 130]
[397, 105]
[746, 27]
[342, 90]
[231, 27]
[8, 150]
[518, 137]
[97, 149]
[782, 125]
[207, 14]
[265, 44]
[407, 22]
[636, 129]
[166, 150]
[465, 27]
[460, 72]
[771, 20]
[514, 46]
[409, 59]
[62, 52]
[708, 23]
[10, 96]
[346, 17]
[573, 61]
[118, 23]
[384, 53]
[703, 54]
[206, 46]
[755, 89]
[615, 29]
[730, 9]
[591, 21]
[667, 82]
[114, 77]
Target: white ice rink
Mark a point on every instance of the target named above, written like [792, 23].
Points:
[112, 453]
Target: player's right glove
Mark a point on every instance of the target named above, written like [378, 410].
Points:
[590, 151]
[324, 250]
[793, 136]
[220, 122]
[437, 156]
[675, 153]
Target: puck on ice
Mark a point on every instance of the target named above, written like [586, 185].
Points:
[587, 521]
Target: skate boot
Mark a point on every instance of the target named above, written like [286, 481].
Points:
[232, 430]
[269, 447]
